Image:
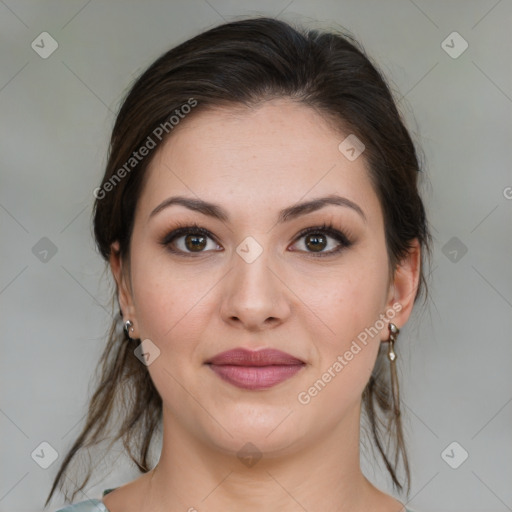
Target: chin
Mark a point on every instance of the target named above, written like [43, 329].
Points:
[273, 433]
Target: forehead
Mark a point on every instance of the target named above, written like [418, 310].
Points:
[267, 156]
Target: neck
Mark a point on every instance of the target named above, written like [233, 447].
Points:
[323, 474]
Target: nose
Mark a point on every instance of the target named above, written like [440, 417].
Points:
[254, 295]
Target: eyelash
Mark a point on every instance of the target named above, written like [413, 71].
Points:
[195, 229]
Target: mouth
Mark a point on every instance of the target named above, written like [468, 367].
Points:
[255, 370]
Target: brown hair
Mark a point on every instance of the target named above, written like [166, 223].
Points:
[241, 63]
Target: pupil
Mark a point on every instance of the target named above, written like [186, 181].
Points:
[194, 244]
[315, 240]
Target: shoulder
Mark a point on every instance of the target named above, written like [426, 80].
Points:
[92, 505]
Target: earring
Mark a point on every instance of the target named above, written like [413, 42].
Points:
[128, 327]
[393, 334]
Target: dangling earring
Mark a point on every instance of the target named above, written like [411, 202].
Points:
[395, 394]
[128, 327]
[393, 334]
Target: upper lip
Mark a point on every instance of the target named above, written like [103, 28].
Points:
[244, 357]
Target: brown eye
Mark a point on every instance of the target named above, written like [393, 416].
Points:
[317, 239]
[316, 242]
[195, 242]
[188, 240]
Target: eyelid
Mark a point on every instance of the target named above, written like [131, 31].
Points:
[328, 228]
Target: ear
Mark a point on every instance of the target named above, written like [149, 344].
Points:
[404, 286]
[123, 287]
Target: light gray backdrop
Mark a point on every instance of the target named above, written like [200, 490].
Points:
[57, 110]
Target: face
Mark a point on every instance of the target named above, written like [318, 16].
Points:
[252, 279]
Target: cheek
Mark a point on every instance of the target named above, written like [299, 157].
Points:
[350, 307]
[346, 354]
[166, 299]
[348, 300]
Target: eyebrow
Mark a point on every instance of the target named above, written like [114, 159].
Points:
[287, 214]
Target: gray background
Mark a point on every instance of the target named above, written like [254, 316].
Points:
[56, 116]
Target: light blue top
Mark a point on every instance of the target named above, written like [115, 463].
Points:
[91, 505]
[96, 505]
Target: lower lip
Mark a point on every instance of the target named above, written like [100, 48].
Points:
[255, 377]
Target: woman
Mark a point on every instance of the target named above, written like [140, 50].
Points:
[261, 218]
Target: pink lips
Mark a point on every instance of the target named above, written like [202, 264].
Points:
[255, 370]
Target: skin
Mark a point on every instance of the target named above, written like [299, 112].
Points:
[254, 163]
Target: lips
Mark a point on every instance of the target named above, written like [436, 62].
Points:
[244, 357]
[255, 369]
